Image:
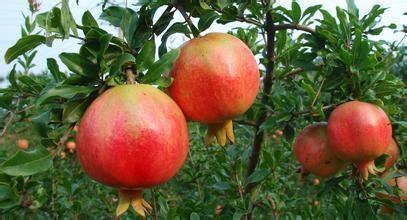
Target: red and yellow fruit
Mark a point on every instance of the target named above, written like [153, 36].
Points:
[216, 78]
[132, 137]
[359, 132]
[312, 151]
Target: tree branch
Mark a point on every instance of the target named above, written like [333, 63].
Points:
[293, 72]
[187, 18]
[295, 27]
[267, 85]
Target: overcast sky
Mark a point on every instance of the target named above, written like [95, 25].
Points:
[11, 20]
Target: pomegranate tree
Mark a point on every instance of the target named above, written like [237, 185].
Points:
[132, 137]
[216, 78]
[359, 132]
[312, 151]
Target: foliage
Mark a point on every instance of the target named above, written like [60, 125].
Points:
[313, 72]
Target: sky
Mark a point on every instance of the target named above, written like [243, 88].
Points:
[11, 20]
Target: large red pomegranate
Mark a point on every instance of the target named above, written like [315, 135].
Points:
[359, 132]
[216, 78]
[312, 151]
[132, 137]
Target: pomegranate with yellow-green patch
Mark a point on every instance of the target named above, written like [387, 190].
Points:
[216, 78]
[132, 137]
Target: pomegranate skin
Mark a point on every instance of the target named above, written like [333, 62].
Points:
[359, 131]
[216, 78]
[132, 137]
[312, 151]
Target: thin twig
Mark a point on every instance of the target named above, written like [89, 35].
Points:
[10, 119]
[294, 72]
[295, 27]
[305, 112]
[245, 122]
[318, 93]
[187, 18]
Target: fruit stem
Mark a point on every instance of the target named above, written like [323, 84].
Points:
[135, 198]
[130, 76]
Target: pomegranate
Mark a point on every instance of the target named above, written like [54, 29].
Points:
[23, 144]
[393, 152]
[315, 182]
[401, 183]
[132, 137]
[312, 151]
[359, 132]
[216, 78]
[71, 145]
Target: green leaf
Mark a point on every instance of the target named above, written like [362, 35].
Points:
[308, 88]
[66, 92]
[178, 27]
[194, 216]
[67, 20]
[79, 64]
[206, 20]
[12, 78]
[221, 186]
[309, 12]
[32, 85]
[163, 22]
[8, 197]
[163, 65]
[89, 20]
[40, 123]
[296, 12]
[26, 163]
[22, 46]
[74, 110]
[123, 59]
[113, 15]
[54, 69]
[352, 8]
[146, 56]
[258, 175]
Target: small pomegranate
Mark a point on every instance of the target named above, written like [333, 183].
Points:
[316, 182]
[273, 136]
[218, 209]
[216, 78]
[278, 132]
[393, 152]
[71, 145]
[62, 155]
[132, 137]
[23, 144]
[312, 151]
[401, 183]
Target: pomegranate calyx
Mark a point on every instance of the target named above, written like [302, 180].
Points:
[135, 198]
[222, 131]
[366, 167]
